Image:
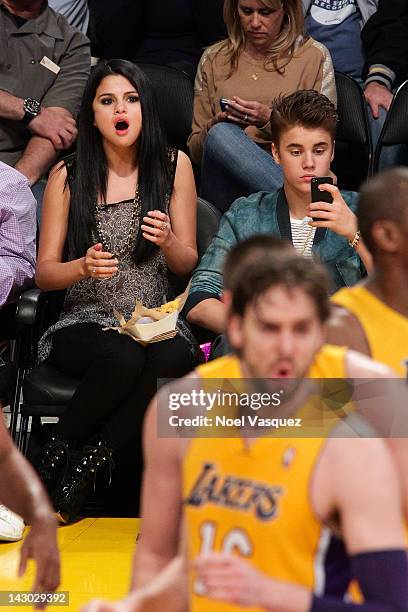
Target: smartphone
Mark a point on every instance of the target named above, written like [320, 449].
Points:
[317, 195]
[223, 104]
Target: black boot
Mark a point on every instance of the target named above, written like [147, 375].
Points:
[52, 461]
[80, 477]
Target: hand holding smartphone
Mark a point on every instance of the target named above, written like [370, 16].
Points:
[316, 194]
[223, 104]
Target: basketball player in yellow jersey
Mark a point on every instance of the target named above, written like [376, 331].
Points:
[254, 514]
[372, 317]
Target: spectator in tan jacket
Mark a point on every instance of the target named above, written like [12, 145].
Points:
[264, 56]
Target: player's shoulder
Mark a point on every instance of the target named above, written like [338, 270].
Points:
[351, 457]
[345, 329]
[362, 366]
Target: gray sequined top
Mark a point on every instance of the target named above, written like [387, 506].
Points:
[92, 301]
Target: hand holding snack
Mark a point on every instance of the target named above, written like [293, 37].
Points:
[157, 228]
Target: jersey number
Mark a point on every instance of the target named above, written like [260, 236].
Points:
[234, 540]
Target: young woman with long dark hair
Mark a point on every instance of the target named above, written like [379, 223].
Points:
[117, 217]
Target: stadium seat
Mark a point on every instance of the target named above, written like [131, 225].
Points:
[353, 150]
[395, 128]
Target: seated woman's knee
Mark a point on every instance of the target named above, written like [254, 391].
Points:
[219, 138]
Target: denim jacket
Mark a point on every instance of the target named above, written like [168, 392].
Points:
[268, 213]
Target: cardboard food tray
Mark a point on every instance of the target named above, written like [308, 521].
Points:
[162, 328]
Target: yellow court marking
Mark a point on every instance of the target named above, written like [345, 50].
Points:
[96, 558]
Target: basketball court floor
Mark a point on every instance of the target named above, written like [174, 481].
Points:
[96, 557]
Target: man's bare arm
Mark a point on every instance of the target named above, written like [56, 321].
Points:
[54, 129]
[168, 591]
[20, 487]
[161, 503]
[21, 491]
[11, 107]
[344, 329]
[39, 155]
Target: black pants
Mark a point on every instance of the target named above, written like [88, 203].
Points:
[118, 379]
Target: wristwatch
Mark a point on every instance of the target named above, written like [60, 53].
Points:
[32, 108]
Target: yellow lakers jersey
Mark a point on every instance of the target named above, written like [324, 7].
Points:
[386, 330]
[254, 500]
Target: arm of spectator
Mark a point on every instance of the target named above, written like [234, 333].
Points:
[209, 313]
[325, 81]
[75, 66]
[205, 115]
[385, 43]
[52, 273]
[21, 491]
[11, 107]
[54, 129]
[17, 239]
[178, 239]
[55, 125]
[38, 157]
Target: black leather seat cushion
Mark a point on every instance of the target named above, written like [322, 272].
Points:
[7, 379]
[47, 386]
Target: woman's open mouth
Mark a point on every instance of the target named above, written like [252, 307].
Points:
[121, 126]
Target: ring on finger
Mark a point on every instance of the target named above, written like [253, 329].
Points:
[163, 227]
[246, 117]
[93, 270]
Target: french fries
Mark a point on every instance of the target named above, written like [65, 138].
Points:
[170, 306]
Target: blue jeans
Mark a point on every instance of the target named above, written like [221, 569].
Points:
[234, 166]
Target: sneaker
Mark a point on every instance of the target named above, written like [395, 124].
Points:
[11, 525]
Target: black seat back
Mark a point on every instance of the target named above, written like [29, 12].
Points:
[395, 128]
[208, 220]
[353, 150]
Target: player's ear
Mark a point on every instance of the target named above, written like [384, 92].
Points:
[387, 236]
[234, 331]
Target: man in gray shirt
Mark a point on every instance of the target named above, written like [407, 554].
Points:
[44, 65]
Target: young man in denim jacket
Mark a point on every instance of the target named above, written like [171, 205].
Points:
[303, 125]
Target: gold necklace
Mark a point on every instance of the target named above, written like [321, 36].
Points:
[254, 76]
[130, 238]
